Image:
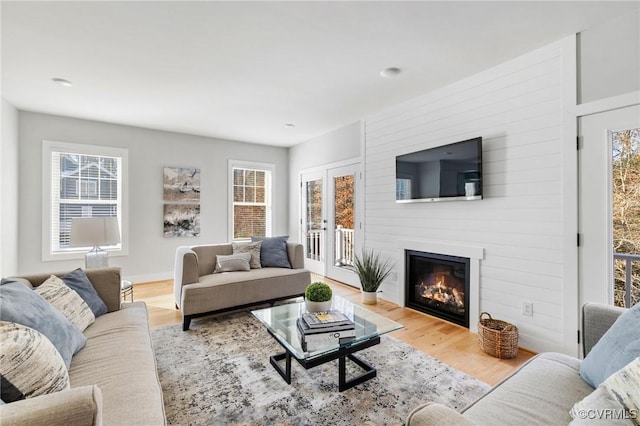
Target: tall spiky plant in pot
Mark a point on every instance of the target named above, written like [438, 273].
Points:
[371, 271]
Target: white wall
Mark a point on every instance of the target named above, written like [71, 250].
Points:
[526, 223]
[151, 256]
[609, 58]
[9, 191]
[339, 145]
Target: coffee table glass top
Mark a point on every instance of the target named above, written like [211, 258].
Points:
[281, 322]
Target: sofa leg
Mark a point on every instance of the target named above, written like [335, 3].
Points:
[186, 322]
[177, 307]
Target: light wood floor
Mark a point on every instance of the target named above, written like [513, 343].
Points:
[449, 343]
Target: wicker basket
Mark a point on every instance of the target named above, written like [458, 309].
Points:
[497, 338]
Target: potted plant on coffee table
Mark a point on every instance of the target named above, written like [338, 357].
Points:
[317, 297]
[371, 271]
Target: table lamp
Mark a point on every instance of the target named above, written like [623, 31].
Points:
[95, 232]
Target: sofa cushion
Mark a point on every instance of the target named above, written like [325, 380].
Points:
[617, 394]
[78, 281]
[67, 301]
[119, 359]
[222, 291]
[24, 306]
[615, 349]
[541, 392]
[29, 364]
[273, 252]
[233, 262]
[253, 248]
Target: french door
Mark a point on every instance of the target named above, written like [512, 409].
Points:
[314, 222]
[330, 222]
[599, 199]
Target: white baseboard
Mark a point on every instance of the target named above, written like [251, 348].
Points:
[145, 278]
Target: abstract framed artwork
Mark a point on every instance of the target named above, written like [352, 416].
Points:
[181, 184]
[181, 220]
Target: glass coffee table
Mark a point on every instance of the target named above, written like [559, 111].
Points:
[281, 323]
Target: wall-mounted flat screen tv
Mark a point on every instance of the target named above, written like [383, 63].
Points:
[443, 173]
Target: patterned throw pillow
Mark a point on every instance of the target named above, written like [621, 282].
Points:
[253, 248]
[66, 301]
[29, 364]
[617, 394]
[24, 306]
[232, 262]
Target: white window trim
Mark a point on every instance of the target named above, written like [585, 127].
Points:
[271, 194]
[47, 148]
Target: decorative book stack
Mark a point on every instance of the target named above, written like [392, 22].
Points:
[321, 329]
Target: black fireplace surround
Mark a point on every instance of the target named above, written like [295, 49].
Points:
[438, 285]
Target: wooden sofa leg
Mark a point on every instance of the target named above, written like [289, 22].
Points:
[186, 322]
[177, 307]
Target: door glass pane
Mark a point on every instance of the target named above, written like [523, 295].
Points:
[314, 219]
[626, 216]
[344, 220]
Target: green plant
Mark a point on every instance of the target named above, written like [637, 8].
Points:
[371, 270]
[318, 292]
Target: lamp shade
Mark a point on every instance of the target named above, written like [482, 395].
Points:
[94, 231]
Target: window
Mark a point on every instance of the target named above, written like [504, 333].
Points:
[251, 195]
[80, 181]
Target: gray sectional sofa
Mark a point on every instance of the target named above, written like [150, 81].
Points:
[541, 392]
[113, 377]
[198, 291]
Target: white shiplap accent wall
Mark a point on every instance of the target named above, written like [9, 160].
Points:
[519, 108]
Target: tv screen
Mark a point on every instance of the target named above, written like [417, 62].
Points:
[448, 172]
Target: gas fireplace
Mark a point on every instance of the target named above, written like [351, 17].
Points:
[438, 285]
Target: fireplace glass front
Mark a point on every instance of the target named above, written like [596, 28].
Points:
[438, 285]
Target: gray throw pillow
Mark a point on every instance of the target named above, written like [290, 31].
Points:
[24, 306]
[232, 262]
[77, 280]
[253, 248]
[615, 349]
[273, 252]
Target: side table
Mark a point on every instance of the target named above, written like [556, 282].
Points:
[126, 289]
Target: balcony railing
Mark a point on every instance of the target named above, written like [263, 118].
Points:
[344, 245]
[629, 297]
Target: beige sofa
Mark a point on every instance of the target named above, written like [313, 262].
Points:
[199, 292]
[113, 377]
[541, 392]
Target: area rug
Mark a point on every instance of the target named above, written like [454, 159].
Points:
[218, 373]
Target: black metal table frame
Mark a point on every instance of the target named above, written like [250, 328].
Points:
[341, 354]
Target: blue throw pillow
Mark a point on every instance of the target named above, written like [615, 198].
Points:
[273, 252]
[615, 349]
[24, 306]
[78, 281]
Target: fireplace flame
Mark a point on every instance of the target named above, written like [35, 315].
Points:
[440, 292]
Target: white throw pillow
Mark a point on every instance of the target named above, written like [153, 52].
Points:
[67, 301]
[29, 363]
[232, 262]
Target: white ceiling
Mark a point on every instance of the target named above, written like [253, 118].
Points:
[241, 70]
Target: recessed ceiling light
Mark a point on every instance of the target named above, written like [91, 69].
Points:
[289, 125]
[62, 82]
[390, 72]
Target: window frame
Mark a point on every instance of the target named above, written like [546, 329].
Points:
[48, 202]
[270, 168]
